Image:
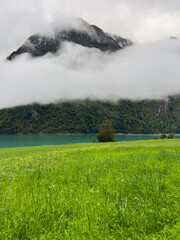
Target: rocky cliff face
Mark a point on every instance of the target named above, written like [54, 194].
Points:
[85, 35]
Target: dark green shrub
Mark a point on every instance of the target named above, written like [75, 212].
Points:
[163, 136]
[106, 132]
[170, 136]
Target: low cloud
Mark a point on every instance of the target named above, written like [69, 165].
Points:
[76, 72]
[141, 71]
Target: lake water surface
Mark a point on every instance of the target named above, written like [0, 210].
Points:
[8, 141]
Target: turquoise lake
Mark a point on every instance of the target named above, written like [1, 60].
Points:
[9, 141]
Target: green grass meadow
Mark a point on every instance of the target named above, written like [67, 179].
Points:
[123, 190]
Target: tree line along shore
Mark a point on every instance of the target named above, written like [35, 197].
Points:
[86, 116]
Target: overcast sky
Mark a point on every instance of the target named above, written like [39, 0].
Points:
[142, 71]
[139, 20]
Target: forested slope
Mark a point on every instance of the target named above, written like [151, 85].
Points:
[148, 116]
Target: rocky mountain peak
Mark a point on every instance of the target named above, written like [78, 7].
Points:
[81, 33]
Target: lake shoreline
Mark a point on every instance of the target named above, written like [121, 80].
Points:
[16, 140]
[26, 134]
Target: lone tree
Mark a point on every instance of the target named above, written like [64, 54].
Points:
[163, 136]
[106, 132]
[170, 136]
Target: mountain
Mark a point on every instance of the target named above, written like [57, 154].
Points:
[81, 33]
[146, 116]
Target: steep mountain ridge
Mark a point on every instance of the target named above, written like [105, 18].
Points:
[85, 35]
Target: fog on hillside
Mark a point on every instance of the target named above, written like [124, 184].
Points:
[76, 72]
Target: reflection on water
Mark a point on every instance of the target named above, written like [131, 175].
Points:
[7, 141]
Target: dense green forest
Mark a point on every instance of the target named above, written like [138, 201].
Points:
[147, 116]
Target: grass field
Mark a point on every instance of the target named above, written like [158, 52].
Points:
[126, 190]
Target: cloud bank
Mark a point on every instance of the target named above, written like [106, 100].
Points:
[138, 72]
[146, 70]
[139, 20]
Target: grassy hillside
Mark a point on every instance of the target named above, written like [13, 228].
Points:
[148, 116]
[127, 190]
